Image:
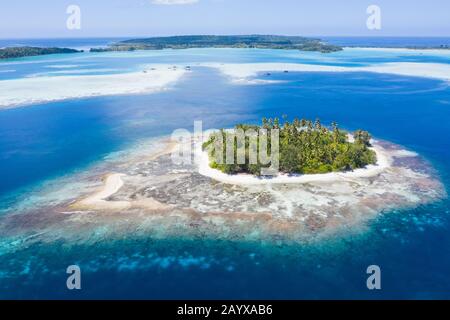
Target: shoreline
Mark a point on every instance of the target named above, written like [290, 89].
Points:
[154, 196]
[112, 184]
[384, 161]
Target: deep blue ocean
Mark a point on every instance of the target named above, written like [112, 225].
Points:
[43, 142]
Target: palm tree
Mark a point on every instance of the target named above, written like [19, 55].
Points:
[264, 122]
[317, 124]
[362, 137]
[276, 123]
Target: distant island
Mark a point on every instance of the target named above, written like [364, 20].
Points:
[210, 41]
[19, 52]
[305, 147]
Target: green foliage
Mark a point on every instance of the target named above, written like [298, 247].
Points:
[211, 41]
[362, 137]
[305, 147]
[18, 52]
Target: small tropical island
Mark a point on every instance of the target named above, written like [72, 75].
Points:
[19, 52]
[231, 41]
[305, 147]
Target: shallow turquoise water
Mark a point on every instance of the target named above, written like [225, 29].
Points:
[46, 141]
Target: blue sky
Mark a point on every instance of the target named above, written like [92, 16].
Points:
[103, 18]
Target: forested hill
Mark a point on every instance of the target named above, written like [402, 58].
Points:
[18, 52]
[211, 41]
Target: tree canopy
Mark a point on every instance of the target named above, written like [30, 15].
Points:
[18, 52]
[223, 41]
[305, 147]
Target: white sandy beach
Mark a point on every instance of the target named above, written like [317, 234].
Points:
[384, 161]
[18, 92]
[245, 72]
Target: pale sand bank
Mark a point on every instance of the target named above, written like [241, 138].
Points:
[384, 160]
[426, 70]
[113, 182]
[25, 91]
[245, 72]
[155, 78]
[112, 185]
[402, 50]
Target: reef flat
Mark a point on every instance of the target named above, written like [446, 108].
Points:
[146, 194]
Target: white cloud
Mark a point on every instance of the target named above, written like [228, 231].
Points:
[174, 2]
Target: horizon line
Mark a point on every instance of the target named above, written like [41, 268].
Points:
[248, 34]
